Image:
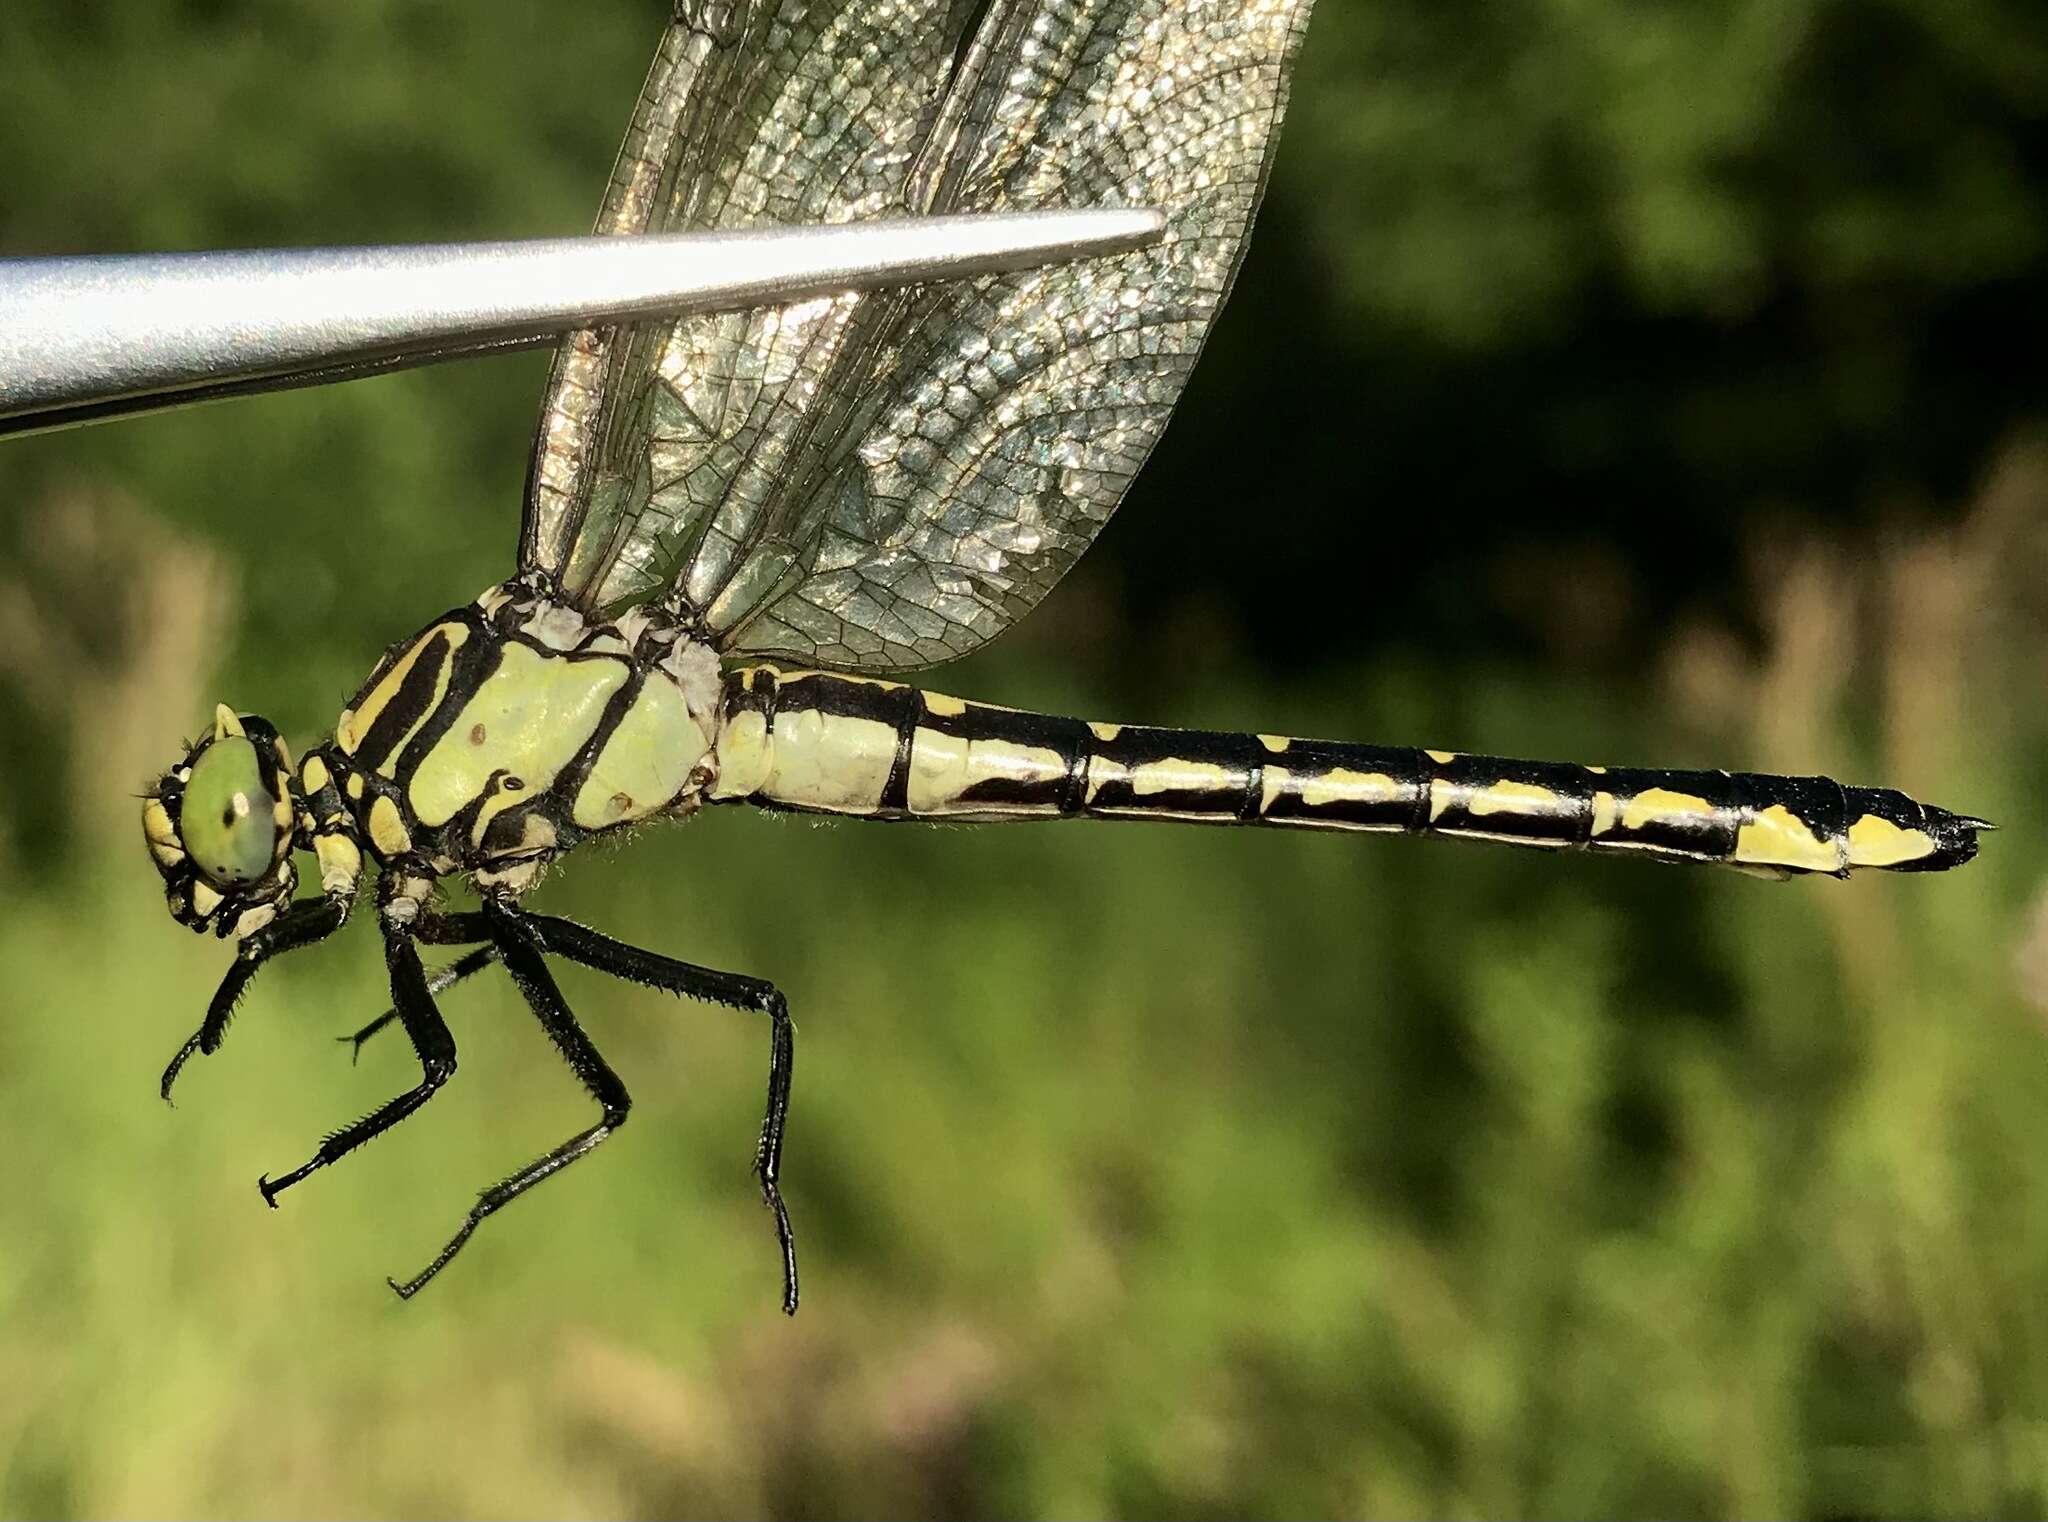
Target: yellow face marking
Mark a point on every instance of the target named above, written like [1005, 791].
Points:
[160, 834]
[313, 776]
[1441, 757]
[341, 864]
[1175, 775]
[281, 816]
[1341, 785]
[647, 761]
[744, 756]
[1511, 798]
[355, 786]
[536, 712]
[1875, 842]
[205, 897]
[1777, 837]
[1272, 785]
[830, 762]
[1604, 813]
[1105, 732]
[1277, 744]
[1661, 803]
[945, 707]
[356, 722]
[387, 830]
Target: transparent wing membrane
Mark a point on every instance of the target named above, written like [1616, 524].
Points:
[887, 481]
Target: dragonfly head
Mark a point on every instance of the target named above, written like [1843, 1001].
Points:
[219, 826]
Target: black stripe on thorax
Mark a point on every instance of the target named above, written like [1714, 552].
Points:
[408, 704]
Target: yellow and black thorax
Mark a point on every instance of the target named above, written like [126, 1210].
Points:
[510, 730]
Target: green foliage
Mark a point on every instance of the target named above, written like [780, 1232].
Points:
[1637, 382]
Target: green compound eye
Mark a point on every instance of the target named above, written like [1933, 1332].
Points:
[229, 819]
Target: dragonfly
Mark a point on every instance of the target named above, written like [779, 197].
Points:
[739, 527]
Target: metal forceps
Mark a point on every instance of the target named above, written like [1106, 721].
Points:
[99, 336]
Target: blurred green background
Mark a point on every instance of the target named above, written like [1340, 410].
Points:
[1648, 384]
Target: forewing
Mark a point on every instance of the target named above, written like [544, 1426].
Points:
[888, 481]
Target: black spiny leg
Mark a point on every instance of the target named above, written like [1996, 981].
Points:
[430, 1040]
[736, 991]
[303, 923]
[521, 948]
[438, 982]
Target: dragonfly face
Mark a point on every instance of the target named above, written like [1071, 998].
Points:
[220, 826]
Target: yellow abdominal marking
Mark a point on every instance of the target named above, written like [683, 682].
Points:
[1441, 794]
[944, 707]
[1604, 813]
[1341, 785]
[1273, 787]
[1277, 744]
[387, 830]
[938, 771]
[1777, 837]
[1875, 842]
[1441, 757]
[1661, 803]
[743, 754]
[943, 767]
[830, 762]
[1101, 772]
[1511, 798]
[1105, 732]
[1175, 775]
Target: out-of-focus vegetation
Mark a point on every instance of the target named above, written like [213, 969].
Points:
[1647, 384]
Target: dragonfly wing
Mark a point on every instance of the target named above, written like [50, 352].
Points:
[887, 481]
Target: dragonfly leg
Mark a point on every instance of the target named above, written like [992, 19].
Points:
[515, 940]
[568, 939]
[307, 921]
[431, 1041]
[438, 982]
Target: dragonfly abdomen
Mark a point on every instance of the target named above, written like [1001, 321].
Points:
[822, 743]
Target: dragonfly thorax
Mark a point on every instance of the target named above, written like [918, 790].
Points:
[510, 730]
